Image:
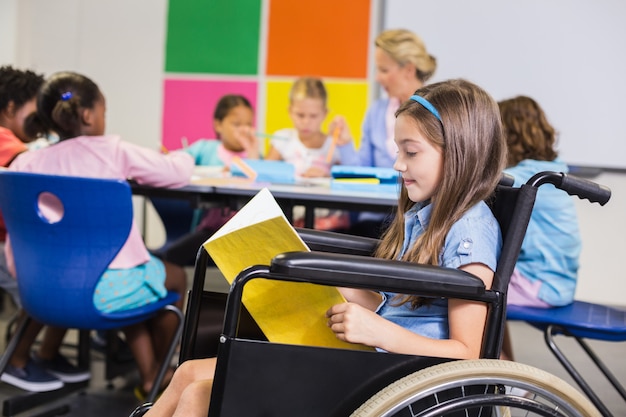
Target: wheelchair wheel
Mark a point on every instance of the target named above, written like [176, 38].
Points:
[482, 387]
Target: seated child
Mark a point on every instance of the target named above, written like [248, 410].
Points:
[72, 106]
[547, 269]
[308, 147]
[233, 119]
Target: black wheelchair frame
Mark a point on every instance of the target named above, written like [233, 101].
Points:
[258, 378]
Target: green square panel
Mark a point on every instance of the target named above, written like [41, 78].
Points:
[213, 36]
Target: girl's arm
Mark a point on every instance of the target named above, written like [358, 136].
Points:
[248, 141]
[273, 155]
[149, 167]
[366, 298]
[197, 150]
[345, 143]
[355, 323]
[344, 137]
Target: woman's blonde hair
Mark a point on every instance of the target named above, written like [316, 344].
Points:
[308, 87]
[528, 133]
[404, 46]
[474, 155]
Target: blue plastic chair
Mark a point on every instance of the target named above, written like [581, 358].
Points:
[580, 320]
[59, 263]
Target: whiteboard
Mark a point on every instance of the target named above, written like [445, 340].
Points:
[569, 55]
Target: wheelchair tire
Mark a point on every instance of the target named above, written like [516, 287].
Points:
[445, 390]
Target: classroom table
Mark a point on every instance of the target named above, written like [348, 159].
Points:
[234, 192]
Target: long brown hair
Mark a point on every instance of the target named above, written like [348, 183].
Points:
[474, 154]
[528, 133]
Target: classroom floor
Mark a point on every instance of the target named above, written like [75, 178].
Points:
[117, 399]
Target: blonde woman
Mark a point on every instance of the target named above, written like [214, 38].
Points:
[403, 65]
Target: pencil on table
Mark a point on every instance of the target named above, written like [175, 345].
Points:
[245, 168]
[333, 145]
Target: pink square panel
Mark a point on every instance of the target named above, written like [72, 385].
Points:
[188, 107]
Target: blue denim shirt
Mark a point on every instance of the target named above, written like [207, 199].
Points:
[474, 238]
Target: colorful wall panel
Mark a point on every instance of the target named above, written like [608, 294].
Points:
[213, 36]
[215, 47]
[324, 37]
[189, 105]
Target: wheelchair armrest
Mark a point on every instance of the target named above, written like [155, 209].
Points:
[325, 241]
[377, 274]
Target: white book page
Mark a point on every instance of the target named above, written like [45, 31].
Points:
[261, 207]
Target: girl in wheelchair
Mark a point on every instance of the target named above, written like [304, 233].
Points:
[451, 156]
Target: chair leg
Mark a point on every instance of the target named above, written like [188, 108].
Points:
[156, 387]
[549, 334]
[603, 368]
[14, 340]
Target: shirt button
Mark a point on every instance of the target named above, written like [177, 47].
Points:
[466, 245]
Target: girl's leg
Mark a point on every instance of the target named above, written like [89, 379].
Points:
[176, 280]
[140, 343]
[51, 343]
[194, 402]
[186, 374]
[163, 327]
[149, 341]
[22, 350]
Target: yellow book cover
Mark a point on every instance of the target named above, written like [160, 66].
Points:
[287, 312]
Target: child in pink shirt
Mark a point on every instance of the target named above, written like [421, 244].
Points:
[72, 106]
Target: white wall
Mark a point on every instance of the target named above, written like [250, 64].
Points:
[567, 54]
[8, 15]
[603, 229]
[117, 43]
[120, 44]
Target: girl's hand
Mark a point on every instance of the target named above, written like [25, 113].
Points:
[340, 123]
[316, 172]
[355, 324]
[248, 141]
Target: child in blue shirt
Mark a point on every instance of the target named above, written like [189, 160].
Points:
[233, 119]
[547, 268]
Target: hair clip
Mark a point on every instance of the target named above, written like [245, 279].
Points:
[427, 105]
[66, 96]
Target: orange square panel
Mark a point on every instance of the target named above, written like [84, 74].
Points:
[326, 38]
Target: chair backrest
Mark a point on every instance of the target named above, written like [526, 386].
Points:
[512, 207]
[58, 263]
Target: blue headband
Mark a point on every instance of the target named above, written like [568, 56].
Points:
[66, 96]
[426, 104]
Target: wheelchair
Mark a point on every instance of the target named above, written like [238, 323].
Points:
[255, 377]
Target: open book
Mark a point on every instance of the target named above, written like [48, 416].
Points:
[287, 312]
